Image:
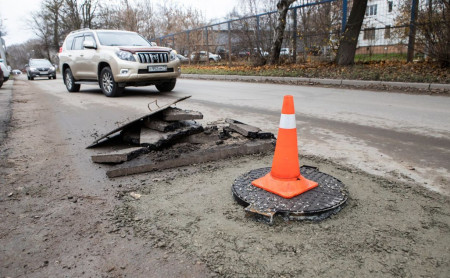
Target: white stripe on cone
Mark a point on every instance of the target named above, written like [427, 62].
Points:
[287, 121]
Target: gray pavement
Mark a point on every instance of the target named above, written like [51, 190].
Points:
[5, 108]
[381, 133]
[6, 90]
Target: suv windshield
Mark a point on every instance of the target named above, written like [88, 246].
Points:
[121, 39]
[40, 63]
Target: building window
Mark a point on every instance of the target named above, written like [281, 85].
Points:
[371, 10]
[369, 33]
[387, 32]
[390, 3]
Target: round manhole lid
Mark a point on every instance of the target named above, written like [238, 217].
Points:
[316, 204]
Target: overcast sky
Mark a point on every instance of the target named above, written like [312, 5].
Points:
[15, 13]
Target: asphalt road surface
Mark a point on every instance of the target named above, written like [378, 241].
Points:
[62, 217]
[388, 134]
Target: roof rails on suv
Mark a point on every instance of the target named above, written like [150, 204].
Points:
[79, 30]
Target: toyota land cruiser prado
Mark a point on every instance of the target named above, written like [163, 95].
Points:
[116, 59]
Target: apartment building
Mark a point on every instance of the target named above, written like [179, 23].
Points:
[378, 32]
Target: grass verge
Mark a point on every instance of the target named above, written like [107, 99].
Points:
[385, 71]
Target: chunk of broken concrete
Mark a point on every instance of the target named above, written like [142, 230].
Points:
[118, 156]
[176, 114]
[244, 129]
[155, 139]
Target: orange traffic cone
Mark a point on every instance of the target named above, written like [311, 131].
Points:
[284, 178]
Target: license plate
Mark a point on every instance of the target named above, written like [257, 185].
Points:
[43, 72]
[157, 68]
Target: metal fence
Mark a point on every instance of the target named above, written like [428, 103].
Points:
[312, 34]
[384, 33]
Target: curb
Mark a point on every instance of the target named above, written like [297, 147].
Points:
[320, 81]
[5, 108]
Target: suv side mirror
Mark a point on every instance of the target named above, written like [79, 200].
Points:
[153, 43]
[89, 45]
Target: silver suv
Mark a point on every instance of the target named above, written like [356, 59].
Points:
[116, 59]
[40, 68]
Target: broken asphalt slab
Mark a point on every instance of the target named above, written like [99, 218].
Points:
[151, 162]
[169, 137]
[153, 139]
[112, 134]
[119, 156]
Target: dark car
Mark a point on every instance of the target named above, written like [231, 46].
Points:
[40, 68]
[244, 53]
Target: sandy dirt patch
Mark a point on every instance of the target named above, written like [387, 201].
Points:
[387, 228]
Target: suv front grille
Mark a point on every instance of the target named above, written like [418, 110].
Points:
[153, 57]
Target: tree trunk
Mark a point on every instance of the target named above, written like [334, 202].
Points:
[54, 7]
[412, 31]
[282, 6]
[349, 40]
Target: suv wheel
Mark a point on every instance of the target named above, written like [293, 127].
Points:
[70, 81]
[166, 86]
[109, 87]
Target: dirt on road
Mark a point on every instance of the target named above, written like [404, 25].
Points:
[62, 217]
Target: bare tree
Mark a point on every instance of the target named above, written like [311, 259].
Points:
[20, 53]
[252, 37]
[56, 18]
[147, 16]
[43, 29]
[349, 40]
[53, 14]
[88, 9]
[72, 19]
[46, 24]
[282, 7]
[433, 29]
[76, 15]
[108, 16]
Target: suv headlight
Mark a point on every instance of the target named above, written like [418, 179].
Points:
[173, 55]
[125, 55]
[32, 69]
[52, 68]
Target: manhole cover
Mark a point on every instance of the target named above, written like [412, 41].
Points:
[315, 204]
